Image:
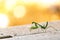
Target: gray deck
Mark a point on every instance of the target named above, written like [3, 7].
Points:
[23, 32]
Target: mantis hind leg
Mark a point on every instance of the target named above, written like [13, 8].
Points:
[43, 30]
[53, 28]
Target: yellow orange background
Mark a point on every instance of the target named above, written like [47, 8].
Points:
[34, 12]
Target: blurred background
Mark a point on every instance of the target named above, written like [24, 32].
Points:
[20, 12]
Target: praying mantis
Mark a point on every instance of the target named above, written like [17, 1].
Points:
[41, 26]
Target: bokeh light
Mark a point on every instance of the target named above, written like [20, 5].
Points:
[9, 4]
[19, 11]
[4, 21]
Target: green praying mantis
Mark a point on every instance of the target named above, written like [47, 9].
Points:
[41, 26]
